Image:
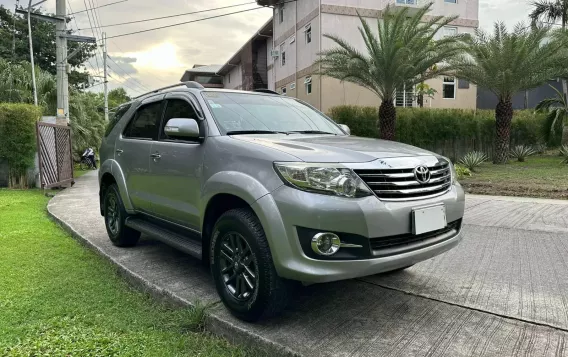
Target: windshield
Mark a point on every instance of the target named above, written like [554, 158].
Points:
[244, 112]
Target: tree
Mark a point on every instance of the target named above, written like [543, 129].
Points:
[551, 12]
[14, 45]
[508, 62]
[403, 52]
[424, 90]
[557, 110]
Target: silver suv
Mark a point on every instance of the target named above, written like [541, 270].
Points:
[267, 190]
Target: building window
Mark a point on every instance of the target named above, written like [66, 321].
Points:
[283, 90]
[405, 97]
[451, 1]
[449, 88]
[282, 55]
[281, 14]
[449, 31]
[308, 83]
[229, 77]
[406, 2]
[308, 33]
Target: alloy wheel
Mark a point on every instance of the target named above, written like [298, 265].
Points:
[113, 214]
[239, 270]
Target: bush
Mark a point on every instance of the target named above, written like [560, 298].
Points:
[450, 132]
[520, 152]
[462, 172]
[472, 160]
[18, 140]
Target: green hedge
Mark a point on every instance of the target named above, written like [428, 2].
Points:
[450, 132]
[18, 140]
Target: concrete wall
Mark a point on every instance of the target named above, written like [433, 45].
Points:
[270, 65]
[236, 76]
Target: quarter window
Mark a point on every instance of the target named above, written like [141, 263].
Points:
[449, 88]
[309, 33]
[120, 111]
[308, 83]
[146, 122]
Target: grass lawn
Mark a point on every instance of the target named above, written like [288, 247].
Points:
[538, 176]
[59, 299]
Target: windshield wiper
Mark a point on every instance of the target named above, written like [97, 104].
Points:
[242, 132]
[312, 132]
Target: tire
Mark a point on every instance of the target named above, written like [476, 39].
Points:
[115, 217]
[83, 165]
[269, 294]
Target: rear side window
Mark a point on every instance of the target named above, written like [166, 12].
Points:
[146, 122]
[120, 111]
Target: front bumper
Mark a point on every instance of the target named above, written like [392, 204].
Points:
[286, 209]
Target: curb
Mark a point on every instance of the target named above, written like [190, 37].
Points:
[213, 323]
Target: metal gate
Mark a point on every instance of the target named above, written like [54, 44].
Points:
[55, 159]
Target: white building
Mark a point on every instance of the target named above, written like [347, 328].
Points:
[281, 55]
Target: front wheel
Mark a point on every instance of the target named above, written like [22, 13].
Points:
[84, 165]
[242, 267]
[115, 218]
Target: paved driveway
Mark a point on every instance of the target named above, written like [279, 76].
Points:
[502, 292]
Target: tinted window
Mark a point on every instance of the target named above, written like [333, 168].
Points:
[236, 112]
[146, 122]
[120, 111]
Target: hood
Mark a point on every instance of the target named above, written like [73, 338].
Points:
[328, 148]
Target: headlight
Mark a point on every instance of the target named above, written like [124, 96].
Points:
[328, 179]
[453, 172]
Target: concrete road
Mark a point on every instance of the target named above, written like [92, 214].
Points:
[502, 292]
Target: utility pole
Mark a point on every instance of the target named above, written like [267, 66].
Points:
[105, 74]
[62, 116]
[31, 50]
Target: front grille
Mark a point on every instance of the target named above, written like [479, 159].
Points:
[400, 184]
[393, 243]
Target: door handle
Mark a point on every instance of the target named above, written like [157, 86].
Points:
[119, 151]
[156, 156]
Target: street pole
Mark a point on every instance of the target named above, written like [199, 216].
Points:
[32, 50]
[62, 116]
[105, 75]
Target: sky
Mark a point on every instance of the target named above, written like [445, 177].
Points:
[155, 59]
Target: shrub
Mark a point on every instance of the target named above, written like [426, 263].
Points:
[18, 140]
[450, 132]
[540, 148]
[473, 159]
[462, 172]
[520, 152]
[564, 153]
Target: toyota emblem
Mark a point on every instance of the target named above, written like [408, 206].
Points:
[422, 174]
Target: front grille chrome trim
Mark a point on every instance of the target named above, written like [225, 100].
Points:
[400, 183]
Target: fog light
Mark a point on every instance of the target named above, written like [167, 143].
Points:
[325, 243]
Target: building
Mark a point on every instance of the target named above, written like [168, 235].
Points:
[206, 75]
[281, 55]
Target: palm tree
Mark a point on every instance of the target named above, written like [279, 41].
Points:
[557, 109]
[402, 53]
[508, 62]
[551, 12]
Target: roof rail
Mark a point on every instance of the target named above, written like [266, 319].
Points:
[262, 90]
[189, 84]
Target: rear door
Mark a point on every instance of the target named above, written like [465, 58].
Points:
[176, 166]
[132, 151]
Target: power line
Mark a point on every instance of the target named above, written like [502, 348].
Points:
[124, 83]
[98, 7]
[183, 23]
[129, 76]
[177, 15]
[94, 34]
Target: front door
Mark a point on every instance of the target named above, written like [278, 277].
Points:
[176, 168]
[132, 151]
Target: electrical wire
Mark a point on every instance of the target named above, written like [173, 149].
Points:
[136, 81]
[177, 15]
[121, 50]
[183, 23]
[98, 7]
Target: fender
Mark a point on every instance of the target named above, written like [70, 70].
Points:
[234, 183]
[112, 167]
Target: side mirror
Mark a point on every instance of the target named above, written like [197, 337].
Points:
[182, 128]
[345, 128]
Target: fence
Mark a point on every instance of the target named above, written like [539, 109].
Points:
[55, 160]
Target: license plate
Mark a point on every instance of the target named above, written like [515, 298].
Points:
[428, 219]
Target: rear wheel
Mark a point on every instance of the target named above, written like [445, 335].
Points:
[115, 218]
[84, 165]
[242, 267]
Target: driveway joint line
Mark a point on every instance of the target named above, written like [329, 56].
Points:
[467, 307]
